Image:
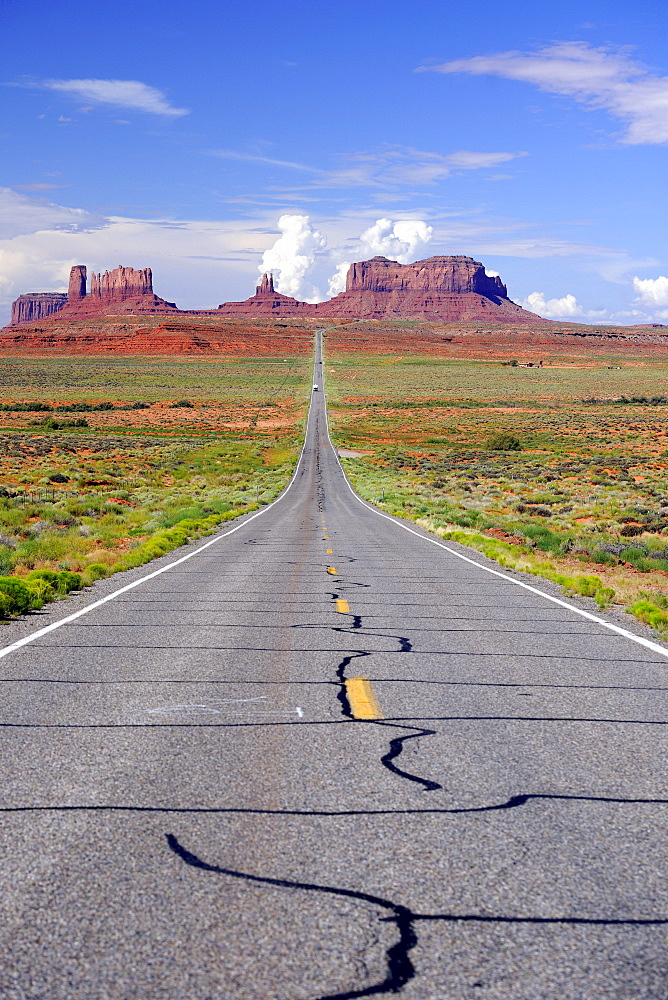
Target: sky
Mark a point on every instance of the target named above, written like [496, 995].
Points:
[212, 141]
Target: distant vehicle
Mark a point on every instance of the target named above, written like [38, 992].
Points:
[315, 388]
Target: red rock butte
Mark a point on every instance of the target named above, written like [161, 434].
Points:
[445, 289]
[123, 290]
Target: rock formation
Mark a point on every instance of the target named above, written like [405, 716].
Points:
[77, 286]
[122, 290]
[448, 289]
[442, 275]
[120, 284]
[445, 289]
[36, 305]
[266, 302]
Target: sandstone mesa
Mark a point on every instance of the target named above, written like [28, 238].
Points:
[445, 289]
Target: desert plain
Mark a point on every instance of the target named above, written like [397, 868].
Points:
[547, 449]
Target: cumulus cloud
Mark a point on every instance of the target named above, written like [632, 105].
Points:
[131, 94]
[652, 292]
[565, 307]
[597, 77]
[293, 255]
[337, 282]
[396, 240]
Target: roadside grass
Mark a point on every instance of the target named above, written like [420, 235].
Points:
[584, 503]
[80, 503]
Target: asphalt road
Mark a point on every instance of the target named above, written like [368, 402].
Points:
[190, 809]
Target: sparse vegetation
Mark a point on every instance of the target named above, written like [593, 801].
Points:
[80, 502]
[583, 503]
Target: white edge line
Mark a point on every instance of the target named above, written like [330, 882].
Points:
[654, 646]
[6, 650]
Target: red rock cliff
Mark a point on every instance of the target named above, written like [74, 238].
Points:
[121, 283]
[444, 275]
[449, 289]
[123, 290]
[36, 305]
[77, 286]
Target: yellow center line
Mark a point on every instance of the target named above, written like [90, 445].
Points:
[361, 699]
[342, 606]
[332, 570]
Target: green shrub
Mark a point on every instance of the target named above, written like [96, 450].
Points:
[647, 611]
[21, 596]
[503, 441]
[543, 537]
[97, 571]
[61, 582]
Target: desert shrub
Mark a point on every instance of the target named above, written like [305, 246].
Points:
[56, 425]
[642, 561]
[629, 530]
[96, 571]
[181, 403]
[26, 407]
[647, 609]
[503, 441]
[542, 537]
[62, 582]
[183, 514]
[604, 596]
[599, 555]
[20, 596]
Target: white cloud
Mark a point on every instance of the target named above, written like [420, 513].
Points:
[401, 165]
[121, 93]
[397, 240]
[20, 213]
[233, 154]
[567, 306]
[197, 263]
[597, 77]
[652, 292]
[293, 255]
[337, 282]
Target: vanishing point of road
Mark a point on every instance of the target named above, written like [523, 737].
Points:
[322, 755]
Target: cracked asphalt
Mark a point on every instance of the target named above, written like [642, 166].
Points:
[190, 811]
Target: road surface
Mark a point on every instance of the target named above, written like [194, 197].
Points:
[322, 757]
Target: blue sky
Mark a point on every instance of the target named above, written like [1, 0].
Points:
[212, 140]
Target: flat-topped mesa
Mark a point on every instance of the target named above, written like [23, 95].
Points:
[444, 275]
[33, 306]
[449, 289]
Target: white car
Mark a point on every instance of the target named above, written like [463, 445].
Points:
[315, 388]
